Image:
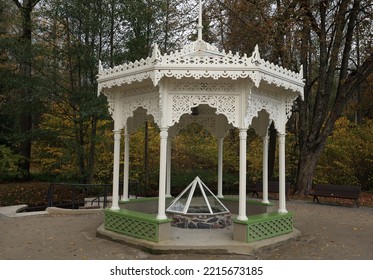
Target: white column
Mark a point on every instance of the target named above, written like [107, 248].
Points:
[115, 198]
[220, 167]
[265, 169]
[168, 180]
[242, 182]
[282, 194]
[126, 165]
[162, 174]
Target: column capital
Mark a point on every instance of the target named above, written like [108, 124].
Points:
[281, 137]
[243, 134]
[164, 132]
[117, 134]
[126, 130]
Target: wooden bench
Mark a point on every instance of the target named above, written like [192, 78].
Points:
[337, 191]
[273, 187]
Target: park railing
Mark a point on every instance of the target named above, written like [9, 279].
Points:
[68, 195]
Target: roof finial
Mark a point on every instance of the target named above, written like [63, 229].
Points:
[200, 26]
[100, 68]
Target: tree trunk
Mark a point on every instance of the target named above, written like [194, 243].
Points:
[25, 119]
[306, 167]
[92, 150]
[25, 145]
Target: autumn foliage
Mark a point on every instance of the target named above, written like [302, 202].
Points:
[69, 130]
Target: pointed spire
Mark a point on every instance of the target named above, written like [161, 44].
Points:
[255, 57]
[301, 72]
[200, 26]
[156, 53]
[100, 68]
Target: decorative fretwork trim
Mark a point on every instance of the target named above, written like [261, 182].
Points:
[201, 60]
[224, 104]
[145, 96]
[262, 100]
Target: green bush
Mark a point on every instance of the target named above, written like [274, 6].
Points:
[9, 162]
[348, 155]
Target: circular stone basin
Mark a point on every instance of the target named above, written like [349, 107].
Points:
[196, 220]
[196, 207]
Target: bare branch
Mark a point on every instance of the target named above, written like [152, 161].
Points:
[19, 5]
[34, 3]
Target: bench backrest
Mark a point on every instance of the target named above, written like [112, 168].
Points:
[343, 190]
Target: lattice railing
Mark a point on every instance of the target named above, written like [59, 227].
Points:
[268, 225]
[132, 224]
[268, 229]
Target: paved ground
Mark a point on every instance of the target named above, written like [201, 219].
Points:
[328, 232]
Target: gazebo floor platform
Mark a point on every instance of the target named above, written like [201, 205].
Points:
[202, 241]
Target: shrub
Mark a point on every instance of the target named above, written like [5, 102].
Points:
[9, 162]
[348, 155]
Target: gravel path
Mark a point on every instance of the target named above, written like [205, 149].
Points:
[328, 232]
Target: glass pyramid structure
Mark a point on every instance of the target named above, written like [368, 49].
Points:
[197, 199]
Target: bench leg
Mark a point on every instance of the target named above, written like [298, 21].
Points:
[315, 198]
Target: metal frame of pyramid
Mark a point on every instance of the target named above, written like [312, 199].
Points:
[183, 208]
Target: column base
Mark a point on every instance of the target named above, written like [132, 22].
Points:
[161, 217]
[242, 218]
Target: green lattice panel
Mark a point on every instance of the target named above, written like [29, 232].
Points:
[132, 226]
[274, 226]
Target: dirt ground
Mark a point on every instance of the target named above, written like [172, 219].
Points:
[328, 232]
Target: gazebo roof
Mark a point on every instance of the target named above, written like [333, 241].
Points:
[198, 60]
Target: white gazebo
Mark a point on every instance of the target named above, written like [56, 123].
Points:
[200, 84]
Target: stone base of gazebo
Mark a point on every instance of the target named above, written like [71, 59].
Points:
[199, 241]
[137, 219]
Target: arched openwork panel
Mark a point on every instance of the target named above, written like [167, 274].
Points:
[260, 100]
[140, 115]
[220, 95]
[206, 116]
[146, 97]
[261, 123]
